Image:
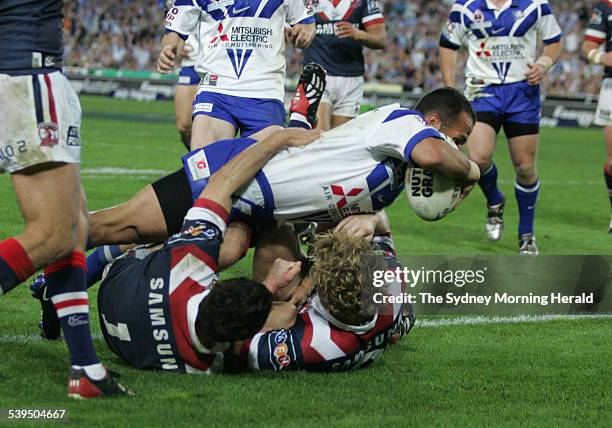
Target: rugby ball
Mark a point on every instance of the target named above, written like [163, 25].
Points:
[431, 195]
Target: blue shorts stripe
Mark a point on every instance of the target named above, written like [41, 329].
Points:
[38, 104]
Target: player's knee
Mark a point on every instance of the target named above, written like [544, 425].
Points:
[483, 161]
[526, 172]
[55, 242]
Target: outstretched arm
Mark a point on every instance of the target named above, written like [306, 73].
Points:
[243, 167]
[437, 155]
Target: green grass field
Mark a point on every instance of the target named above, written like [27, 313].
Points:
[554, 373]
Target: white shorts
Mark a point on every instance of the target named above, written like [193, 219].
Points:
[603, 117]
[344, 94]
[41, 121]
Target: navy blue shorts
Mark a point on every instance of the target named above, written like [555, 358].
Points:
[188, 76]
[248, 115]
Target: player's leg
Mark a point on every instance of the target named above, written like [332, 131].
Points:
[324, 115]
[213, 120]
[348, 100]
[183, 105]
[608, 166]
[305, 104]
[481, 147]
[523, 151]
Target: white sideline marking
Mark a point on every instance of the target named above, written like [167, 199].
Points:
[420, 323]
[482, 320]
[122, 171]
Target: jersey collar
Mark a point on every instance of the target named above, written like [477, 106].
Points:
[192, 314]
[357, 329]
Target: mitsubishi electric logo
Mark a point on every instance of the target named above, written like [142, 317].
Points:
[502, 69]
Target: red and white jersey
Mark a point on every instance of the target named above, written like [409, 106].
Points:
[242, 43]
[320, 342]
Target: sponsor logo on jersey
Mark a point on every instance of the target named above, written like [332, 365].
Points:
[48, 133]
[281, 352]
[74, 136]
[198, 166]
[340, 192]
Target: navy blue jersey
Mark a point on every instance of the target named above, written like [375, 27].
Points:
[600, 28]
[148, 307]
[31, 35]
[341, 57]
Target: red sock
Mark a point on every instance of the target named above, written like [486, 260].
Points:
[15, 265]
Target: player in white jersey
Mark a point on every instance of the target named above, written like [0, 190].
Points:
[502, 81]
[241, 62]
[356, 168]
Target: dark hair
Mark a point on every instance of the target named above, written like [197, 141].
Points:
[235, 309]
[448, 102]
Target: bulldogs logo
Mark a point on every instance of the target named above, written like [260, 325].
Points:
[48, 133]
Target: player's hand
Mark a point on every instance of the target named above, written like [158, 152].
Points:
[360, 225]
[297, 137]
[465, 191]
[346, 30]
[282, 316]
[535, 74]
[290, 35]
[606, 59]
[184, 52]
[301, 293]
[166, 59]
[303, 34]
[280, 278]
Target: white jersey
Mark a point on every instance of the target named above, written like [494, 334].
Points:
[242, 43]
[192, 47]
[501, 41]
[356, 168]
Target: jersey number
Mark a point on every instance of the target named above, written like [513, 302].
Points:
[120, 330]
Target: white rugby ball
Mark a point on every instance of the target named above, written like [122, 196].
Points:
[431, 195]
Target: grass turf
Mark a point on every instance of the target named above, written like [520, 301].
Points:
[533, 374]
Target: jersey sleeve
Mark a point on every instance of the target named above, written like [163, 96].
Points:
[597, 28]
[400, 132]
[274, 350]
[453, 35]
[183, 17]
[209, 211]
[547, 26]
[300, 12]
[372, 13]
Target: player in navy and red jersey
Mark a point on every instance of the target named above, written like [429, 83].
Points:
[344, 27]
[599, 32]
[168, 310]
[344, 325]
[40, 147]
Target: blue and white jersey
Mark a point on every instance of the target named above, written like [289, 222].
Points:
[31, 32]
[501, 41]
[356, 168]
[242, 43]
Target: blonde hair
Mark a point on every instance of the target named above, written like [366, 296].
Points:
[343, 271]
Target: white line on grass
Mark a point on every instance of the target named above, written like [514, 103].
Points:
[482, 320]
[122, 171]
[421, 323]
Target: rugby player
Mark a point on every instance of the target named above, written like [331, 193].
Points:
[344, 27]
[241, 62]
[503, 80]
[40, 147]
[340, 327]
[599, 32]
[356, 168]
[169, 310]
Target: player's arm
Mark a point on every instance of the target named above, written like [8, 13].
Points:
[301, 35]
[595, 36]
[300, 17]
[241, 169]
[437, 155]
[181, 20]
[373, 37]
[365, 225]
[550, 32]
[452, 38]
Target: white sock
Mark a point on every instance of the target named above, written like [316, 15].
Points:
[94, 371]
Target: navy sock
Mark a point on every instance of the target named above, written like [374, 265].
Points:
[526, 197]
[488, 184]
[608, 177]
[66, 287]
[298, 120]
[15, 265]
[97, 261]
